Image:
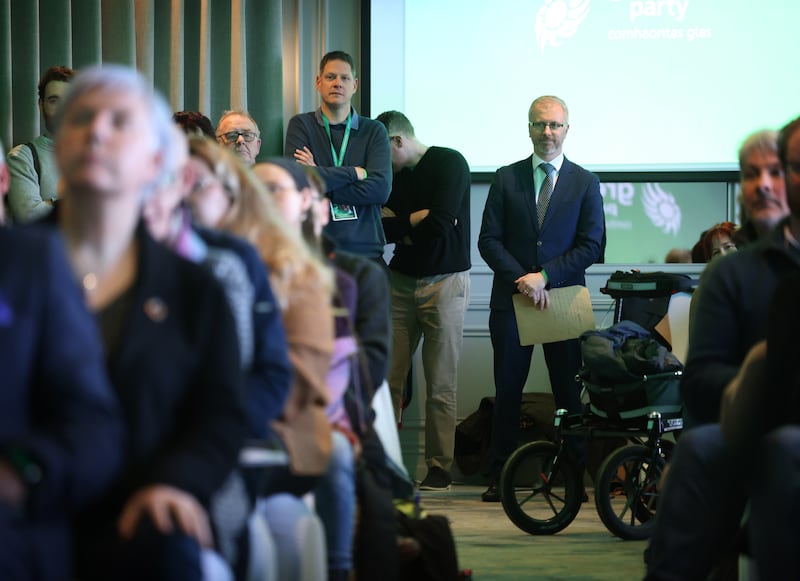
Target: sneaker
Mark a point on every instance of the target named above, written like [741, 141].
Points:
[437, 479]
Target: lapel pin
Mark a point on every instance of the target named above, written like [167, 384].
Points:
[156, 309]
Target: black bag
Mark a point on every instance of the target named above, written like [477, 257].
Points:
[628, 374]
[643, 297]
[473, 434]
[647, 284]
[632, 402]
[437, 560]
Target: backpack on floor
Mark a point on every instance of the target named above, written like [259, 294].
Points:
[436, 559]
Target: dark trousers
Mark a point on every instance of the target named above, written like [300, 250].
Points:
[375, 547]
[512, 364]
[103, 554]
[774, 524]
[703, 500]
[699, 508]
[33, 550]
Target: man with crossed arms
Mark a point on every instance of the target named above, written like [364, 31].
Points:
[351, 154]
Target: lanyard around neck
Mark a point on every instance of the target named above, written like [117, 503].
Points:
[338, 158]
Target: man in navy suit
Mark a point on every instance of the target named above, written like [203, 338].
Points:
[543, 225]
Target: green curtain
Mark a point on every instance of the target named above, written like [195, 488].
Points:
[185, 47]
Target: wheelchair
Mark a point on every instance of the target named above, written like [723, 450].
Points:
[541, 489]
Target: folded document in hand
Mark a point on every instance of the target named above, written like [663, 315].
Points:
[569, 315]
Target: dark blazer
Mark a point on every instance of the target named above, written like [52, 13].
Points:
[178, 376]
[569, 241]
[57, 408]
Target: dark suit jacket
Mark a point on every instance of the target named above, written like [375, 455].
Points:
[57, 407]
[568, 242]
[178, 376]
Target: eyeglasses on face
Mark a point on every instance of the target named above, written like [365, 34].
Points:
[233, 136]
[541, 125]
[276, 189]
[204, 184]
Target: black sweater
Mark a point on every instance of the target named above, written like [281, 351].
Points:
[440, 243]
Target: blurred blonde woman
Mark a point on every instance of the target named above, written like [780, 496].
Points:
[228, 197]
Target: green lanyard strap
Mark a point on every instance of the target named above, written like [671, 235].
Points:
[338, 158]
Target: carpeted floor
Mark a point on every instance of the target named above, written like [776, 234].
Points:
[495, 549]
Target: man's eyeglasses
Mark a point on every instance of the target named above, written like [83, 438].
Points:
[541, 125]
[233, 136]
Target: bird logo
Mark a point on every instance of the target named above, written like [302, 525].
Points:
[661, 208]
[557, 20]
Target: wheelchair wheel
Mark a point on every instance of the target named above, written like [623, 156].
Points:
[626, 492]
[540, 489]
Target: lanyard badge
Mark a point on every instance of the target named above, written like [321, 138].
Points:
[340, 212]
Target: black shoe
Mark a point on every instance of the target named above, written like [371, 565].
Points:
[492, 493]
[438, 480]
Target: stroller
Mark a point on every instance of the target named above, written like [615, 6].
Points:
[632, 381]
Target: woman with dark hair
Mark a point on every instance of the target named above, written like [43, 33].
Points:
[194, 123]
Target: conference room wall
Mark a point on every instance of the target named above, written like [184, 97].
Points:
[260, 55]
